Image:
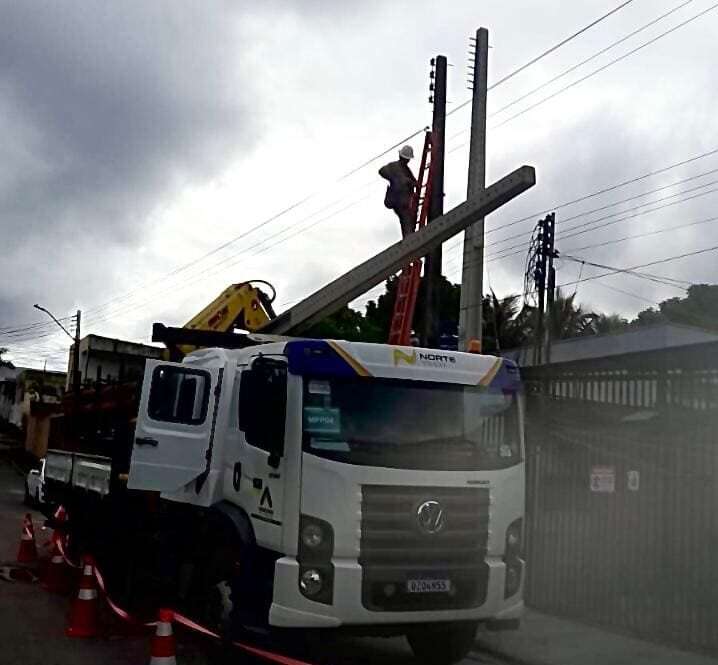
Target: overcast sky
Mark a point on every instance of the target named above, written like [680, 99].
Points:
[137, 137]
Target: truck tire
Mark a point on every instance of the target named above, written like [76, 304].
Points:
[28, 499]
[442, 644]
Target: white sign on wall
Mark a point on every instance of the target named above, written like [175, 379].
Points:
[603, 479]
[633, 480]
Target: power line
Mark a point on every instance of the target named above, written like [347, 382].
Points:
[591, 195]
[645, 265]
[109, 315]
[519, 248]
[369, 161]
[627, 293]
[604, 67]
[659, 279]
[588, 227]
[605, 190]
[643, 235]
[590, 58]
[559, 45]
[541, 56]
[626, 200]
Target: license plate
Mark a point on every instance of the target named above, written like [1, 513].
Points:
[428, 586]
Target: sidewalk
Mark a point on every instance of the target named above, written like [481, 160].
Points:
[548, 640]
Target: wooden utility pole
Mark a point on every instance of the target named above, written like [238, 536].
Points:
[473, 263]
[432, 262]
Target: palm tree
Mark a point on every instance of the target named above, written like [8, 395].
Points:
[506, 326]
[604, 324]
[567, 319]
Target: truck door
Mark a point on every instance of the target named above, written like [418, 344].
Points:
[175, 425]
[262, 418]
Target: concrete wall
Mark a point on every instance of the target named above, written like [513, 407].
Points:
[108, 359]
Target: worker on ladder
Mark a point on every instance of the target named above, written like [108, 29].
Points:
[402, 185]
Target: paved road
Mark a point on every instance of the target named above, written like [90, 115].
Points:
[32, 621]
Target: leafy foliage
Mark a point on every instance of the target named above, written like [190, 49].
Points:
[507, 324]
[5, 363]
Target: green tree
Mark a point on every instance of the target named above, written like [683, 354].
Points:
[3, 362]
[345, 324]
[567, 319]
[505, 324]
[602, 324]
[378, 313]
[698, 308]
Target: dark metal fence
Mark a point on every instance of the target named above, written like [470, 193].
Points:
[622, 496]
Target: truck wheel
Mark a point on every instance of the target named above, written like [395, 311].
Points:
[28, 499]
[214, 577]
[442, 644]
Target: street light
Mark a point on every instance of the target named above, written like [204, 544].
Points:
[75, 348]
[65, 330]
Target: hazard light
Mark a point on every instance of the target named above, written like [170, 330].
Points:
[474, 346]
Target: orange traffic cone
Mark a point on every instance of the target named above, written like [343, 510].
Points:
[27, 552]
[56, 578]
[83, 613]
[59, 518]
[162, 649]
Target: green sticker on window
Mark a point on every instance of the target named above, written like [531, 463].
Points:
[322, 420]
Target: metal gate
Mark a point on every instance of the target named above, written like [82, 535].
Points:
[622, 496]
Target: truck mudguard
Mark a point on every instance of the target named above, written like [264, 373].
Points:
[239, 520]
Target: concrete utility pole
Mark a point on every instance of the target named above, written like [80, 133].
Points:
[76, 358]
[432, 262]
[473, 265]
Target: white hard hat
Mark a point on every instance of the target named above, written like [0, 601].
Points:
[407, 152]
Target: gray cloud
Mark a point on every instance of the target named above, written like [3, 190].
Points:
[109, 114]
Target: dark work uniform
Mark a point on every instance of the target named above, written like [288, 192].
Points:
[402, 184]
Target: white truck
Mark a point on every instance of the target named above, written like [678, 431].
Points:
[289, 483]
[320, 484]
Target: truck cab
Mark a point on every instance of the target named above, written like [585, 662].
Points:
[382, 486]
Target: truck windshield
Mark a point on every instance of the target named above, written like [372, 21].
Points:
[410, 424]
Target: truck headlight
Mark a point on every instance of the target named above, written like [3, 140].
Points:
[512, 558]
[317, 583]
[513, 539]
[312, 535]
[311, 583]
[316, 540]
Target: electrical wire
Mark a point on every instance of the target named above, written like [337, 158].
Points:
[519, 248]
[621, 201]
[659, 279]
[590, 58]
[374, 158]
[604, 67]
[644, 265]
[643, 235]
[506, 252]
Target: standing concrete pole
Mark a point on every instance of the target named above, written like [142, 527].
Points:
[432, 263]
[76, 361]
[473, 265]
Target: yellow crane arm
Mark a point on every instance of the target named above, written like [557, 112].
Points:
[242, 305]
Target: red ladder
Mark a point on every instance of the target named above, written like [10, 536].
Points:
[405, 303]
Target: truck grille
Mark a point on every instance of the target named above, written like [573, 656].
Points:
[394, 548]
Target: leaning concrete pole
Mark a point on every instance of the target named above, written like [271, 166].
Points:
[473, 264]
[375, 270]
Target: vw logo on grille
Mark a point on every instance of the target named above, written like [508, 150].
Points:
[430, 517]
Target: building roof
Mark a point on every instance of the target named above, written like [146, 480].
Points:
[644, 339]
[99, 344]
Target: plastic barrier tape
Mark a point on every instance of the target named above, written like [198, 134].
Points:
[181, 619]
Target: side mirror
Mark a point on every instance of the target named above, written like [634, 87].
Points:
[263, 406]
